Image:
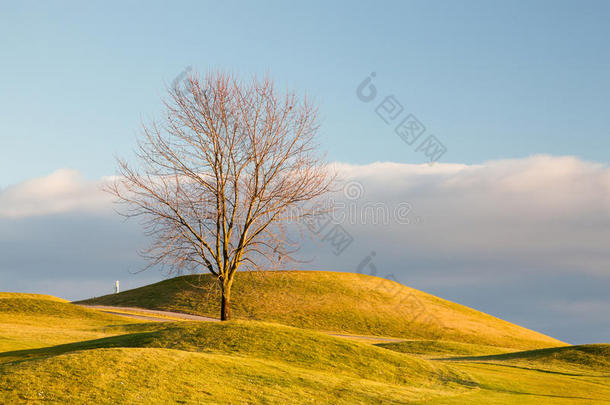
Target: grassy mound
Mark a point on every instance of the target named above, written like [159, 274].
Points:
[163, 376]
[22, 308]
[31, 320]
[341, 302]
[504, 384]
[594, 358]
[32, 296]
[271, 342]
[252, 358]
[112, 360]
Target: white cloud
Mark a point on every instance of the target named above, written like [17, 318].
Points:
[528, 232]
[540, 204]
[60, 192]
[540, 211]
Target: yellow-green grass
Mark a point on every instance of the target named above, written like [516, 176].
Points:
[338, 302]
[501, 384]
[33, 296]
[272, 342]
[30, 321]
[166, 376]
[135, 375]
[258, 362]
[562, 375]
[593, 359]
[253, 353]
[441, 348]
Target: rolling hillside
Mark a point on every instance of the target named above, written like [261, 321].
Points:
[593, 359]
[52, 351]
[31, 320]
[330, 301]
[233, 362]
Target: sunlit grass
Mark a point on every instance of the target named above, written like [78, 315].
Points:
[31, 321]
[52, 351]
[339, 302]
[160, 376]
[440, 348]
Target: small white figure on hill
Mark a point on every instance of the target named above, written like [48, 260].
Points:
[116, 287]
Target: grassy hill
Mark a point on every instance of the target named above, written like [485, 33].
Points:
[86, 356]
[330, 301]
[31, 320]
[238, 360]
[594, 358]
[563, 375]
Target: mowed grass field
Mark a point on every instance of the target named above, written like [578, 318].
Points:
[31, 321]
[52, 351]
[331, 301]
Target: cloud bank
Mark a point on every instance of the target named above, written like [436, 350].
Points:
[61, 191]
[524, 239]
[551, 213]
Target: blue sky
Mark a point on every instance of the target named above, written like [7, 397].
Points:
[515, 218]
[490, 79]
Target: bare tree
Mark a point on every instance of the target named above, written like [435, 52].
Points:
[219, 176]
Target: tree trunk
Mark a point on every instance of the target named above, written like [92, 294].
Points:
[225, 306]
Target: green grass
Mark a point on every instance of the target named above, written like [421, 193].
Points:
[31, 321]
[163, 376]
[562, 375]
[339, 302]
[4, 295]
[271, 342]
[506, 385]
[55, 352]
[256, 351]
[593, 359]
[440, 348]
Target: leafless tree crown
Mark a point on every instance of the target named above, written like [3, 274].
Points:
[217, 176]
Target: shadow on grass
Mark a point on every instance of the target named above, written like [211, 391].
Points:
[592, 357]
[142, 335]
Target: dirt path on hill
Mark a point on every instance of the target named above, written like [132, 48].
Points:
[167, 316]
[149, 314]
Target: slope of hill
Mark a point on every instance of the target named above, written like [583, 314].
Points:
[593, 358]
[5, 295]
[341, 302]
[249, 358]
[32, 320]
[257, 362]
[442, 348]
